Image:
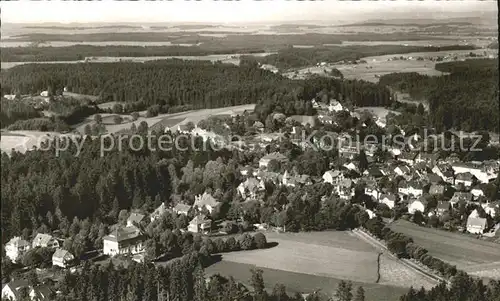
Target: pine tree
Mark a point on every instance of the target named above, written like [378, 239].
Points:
[360, 294]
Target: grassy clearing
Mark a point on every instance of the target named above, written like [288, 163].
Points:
[454, 248]
[23, 141]
[302, 283]
[307, 258]
[394, 273]
[376, 111]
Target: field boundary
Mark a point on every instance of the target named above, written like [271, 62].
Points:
[408, 263]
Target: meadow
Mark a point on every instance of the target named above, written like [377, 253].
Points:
[305, 262]
[473, 255]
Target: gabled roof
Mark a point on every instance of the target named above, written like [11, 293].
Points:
[135, 218]
[181, 207]
[465, 176]
[206, 199]
[62, 254]
[476, 222]
[200, 219]
[405, 169]
[42, 239]
[123, 234]
[433, 178]
[16, 285]
[332, 173]
[461, 196]
[390, 197]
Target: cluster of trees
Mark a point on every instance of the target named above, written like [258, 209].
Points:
[303, 57]
[14, 110]
[54, 124]
[80, 52]
[404, 247]
[462, 288]
[466, 99]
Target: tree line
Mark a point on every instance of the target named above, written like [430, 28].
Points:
[465, 99]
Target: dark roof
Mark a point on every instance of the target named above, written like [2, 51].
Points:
[443, 205]
[123, 234]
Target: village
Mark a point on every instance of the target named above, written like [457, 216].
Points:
[402, 182]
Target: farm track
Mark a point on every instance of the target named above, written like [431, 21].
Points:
[408, 263]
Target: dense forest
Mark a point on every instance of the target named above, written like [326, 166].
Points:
[303, 57]
[465, 99]
[80, 52]
[13, 110]
[173, 85]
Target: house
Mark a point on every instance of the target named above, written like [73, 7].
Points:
[264, 161]
[20, 289]
[370, 213]
[436, 189]
[181, 208]
[388, 199]
[344, 189]
[332, 176]
[407, 157]
[374, 172]
[200, 224]
[354, 166]
[432, 178]
[14, 290]
[207, 201]
[443, 207]
[466, 178]
[62, 258]
[158, 212]
[371, 189]
[45, 241]
[124, 240]
[44, 93]
[335, 106]
[250, 187]
[477, 191]
[417, 205]
[325, 119]
[16, 248]
[402, 170]
[445, 172]
[426, 158]
[460, 197]
[413, 188]
[348, 151]
[481, 172]
[248, 171]
[302, 119]
[476, 224]
[295, 180]
[134, 219]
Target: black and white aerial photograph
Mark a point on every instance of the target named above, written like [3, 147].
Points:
[250, 150]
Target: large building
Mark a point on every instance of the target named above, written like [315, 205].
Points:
[124, 240]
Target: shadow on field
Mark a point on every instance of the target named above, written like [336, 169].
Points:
[271, 244]
[215, 258]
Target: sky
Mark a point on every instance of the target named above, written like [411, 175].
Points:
[26, 11]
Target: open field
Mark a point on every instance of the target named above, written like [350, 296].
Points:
[225, 58]
[305, 262]
[302, 283]
[168, 120]
[329, 255]
[376, 66]
[466, 252]
[23, 141]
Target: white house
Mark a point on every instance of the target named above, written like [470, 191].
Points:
[124, 240]
[332, 176]
[44, 94]
[475, 224]
[335, 106]
[417, 205]
[370, 213]
[402, 170]
[45, 241]
[482, 173]
[445, 172]
[206, 200]
[13, 290]
[200, 224]
[16, 248]
[62, 258]
[181, 208]
[491, 208]
[477, 192]
[413, 188]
